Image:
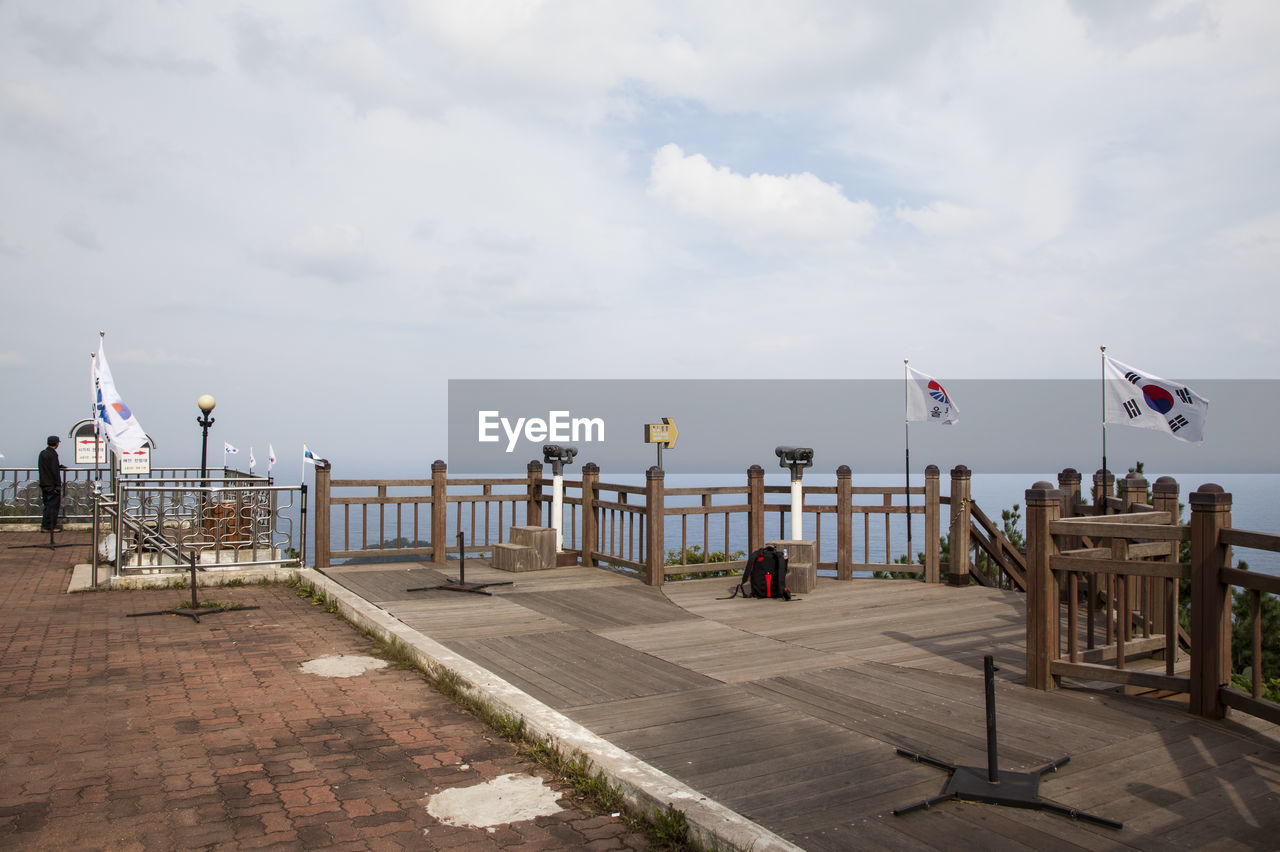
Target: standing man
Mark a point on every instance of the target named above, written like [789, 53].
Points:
[51, 483]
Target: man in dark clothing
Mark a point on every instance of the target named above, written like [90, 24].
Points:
[50, 483]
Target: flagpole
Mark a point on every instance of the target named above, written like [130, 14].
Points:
[1102, 490]
[93, 412]
[906, 428]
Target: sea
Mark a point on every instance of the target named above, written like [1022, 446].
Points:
[1256, 506]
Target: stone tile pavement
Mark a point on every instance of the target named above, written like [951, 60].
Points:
[161, 733]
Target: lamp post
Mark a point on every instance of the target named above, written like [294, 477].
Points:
[206, 404]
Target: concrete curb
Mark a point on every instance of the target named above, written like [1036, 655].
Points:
[82, 578]
[710, 823]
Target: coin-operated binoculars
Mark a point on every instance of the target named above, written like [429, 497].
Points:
[558, 455]
[796, 458]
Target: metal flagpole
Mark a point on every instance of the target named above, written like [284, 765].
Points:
[93, 412]
[906, 428]
[1102, 490]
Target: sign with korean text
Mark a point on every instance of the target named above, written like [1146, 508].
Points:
[136, 461]
[664, 433]
[85, 446]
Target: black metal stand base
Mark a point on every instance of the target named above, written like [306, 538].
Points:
[193, 614]
[50, 546]
[195, 610]
[461, 584]
[990, 785]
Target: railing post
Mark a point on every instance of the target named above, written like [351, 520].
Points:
[1164, 496]
[755, 508]
[1103, 482]
[932, 524]
[533, 500]
[1133, 490]
[958, 574]
[1044, 505]
[1069, 486]
[322, 518]
[655, 527]
[1210, 601]
[844, 523]
[590, 517]
[439, 512]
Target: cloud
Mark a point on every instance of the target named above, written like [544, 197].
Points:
[944, 219]
[79, 233]
[335, 253]
[158, 358]
[778, 210]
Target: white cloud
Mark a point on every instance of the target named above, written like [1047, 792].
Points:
[944, 219]
[80, 233]
[335, 253]
[775, 210]
[160, 358]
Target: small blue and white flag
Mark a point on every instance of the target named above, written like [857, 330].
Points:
[252, 460]
[308, 456]
[227, 449]
[928, 400]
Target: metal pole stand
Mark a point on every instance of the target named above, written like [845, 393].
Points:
[991, 786]
[461, 584]
[195, 610]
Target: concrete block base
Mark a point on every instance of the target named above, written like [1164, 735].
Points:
[802, 564]
[515, 558]
[541, 539]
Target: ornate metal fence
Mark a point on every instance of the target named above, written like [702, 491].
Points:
[222, 522]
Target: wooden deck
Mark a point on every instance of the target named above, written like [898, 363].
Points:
[790, 713]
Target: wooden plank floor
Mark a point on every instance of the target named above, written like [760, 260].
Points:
[790, 713]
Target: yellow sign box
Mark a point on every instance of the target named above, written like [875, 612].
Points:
[664, 433]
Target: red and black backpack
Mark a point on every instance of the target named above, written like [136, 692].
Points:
[765, 575]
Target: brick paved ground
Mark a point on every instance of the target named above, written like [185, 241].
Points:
[160, 733]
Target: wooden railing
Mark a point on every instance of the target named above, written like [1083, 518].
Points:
[612, 523]
[1125, 570]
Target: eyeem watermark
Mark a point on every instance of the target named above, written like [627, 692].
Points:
[559, 426]
[1033, 426]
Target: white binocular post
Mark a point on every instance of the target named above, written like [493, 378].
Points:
[797, 510]
[557, 508]
[558, 456]
[797, 459]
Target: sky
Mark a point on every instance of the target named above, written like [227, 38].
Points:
[322, 212]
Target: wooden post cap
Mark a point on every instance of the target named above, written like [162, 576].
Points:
[1043, 492]
[1209, 495]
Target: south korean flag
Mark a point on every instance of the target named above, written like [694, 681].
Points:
[1138, 398]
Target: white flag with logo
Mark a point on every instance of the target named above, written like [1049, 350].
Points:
[227, 449]
[1137, 398]
[928, 400]
[115, 421]
[271, 457]
[308, 456]
[252, 460]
